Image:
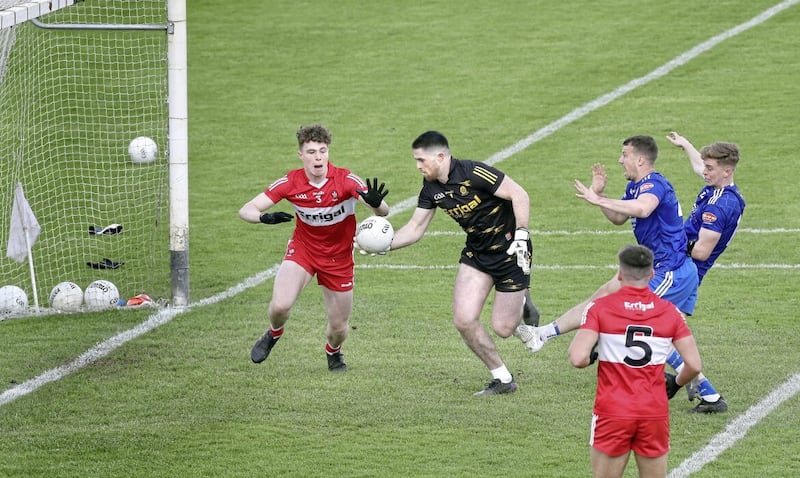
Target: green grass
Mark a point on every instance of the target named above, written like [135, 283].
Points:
[184, 399]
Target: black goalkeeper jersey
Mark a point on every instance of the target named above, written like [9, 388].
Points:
[468, 197]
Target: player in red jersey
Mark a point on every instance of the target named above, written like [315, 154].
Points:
[630, 333]
[324, 199]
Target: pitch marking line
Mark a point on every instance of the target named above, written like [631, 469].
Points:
[737, 428]
[595, 232]
[571, 267]
[166, 315]
[106, 347]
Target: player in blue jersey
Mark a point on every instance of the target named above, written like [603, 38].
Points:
[651, 205]
[715, 217]
[719, 206]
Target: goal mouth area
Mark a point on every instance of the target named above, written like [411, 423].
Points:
[78, 82]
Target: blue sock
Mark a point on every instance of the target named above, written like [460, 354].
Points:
[674, 360]
[705, 389]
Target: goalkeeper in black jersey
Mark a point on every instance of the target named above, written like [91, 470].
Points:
[493, 210]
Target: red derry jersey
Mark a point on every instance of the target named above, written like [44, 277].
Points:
[326, 221]
[636, 329]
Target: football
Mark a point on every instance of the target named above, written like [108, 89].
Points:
[12, 300]
[66, 297]
[374, 234]
[142, 150]
[101, 295]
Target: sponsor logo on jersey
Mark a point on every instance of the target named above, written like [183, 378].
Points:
[464, 209]
[645, 187]
[709, 217]
[301, 196]
[321, 216]
[639, 306]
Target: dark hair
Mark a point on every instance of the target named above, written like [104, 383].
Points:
[316, 133]
[725, 154]
[644, 145]
[635, 262]
[430, 139]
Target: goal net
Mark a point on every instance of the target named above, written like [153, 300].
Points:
[75, 89]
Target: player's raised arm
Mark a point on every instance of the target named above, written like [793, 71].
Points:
[690, 150]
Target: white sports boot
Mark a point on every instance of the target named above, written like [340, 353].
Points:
[529, 336]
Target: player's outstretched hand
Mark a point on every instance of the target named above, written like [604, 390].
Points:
[599, 178]
[672, 385]
[519, 246]
[275, 218]
[374, 194]
[678, 140]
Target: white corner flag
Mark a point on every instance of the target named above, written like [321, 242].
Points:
[22, 234]
[24, 228]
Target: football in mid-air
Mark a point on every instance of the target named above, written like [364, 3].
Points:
[142, 150]
[67, 297]
[374, 234]
[101, 295]
[12, 300]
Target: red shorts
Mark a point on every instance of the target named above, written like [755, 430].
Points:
[614, 437]
[334, 273]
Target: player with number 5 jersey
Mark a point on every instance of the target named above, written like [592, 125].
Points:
[630, 333]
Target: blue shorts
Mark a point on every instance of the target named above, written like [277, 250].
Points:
[678, 286]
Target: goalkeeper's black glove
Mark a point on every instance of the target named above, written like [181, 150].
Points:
[374, 194]
[672, 385]
[275, 218]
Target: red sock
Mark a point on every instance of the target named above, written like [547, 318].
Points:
[331, 349]
[276, 333]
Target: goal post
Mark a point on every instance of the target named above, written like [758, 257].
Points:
[78, 81]
[179, 151]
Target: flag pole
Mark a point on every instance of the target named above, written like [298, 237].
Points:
[30, 265]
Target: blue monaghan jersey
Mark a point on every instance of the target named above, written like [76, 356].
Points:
[662, 231]
[719, 210]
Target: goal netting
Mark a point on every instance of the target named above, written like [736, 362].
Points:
[71, 100]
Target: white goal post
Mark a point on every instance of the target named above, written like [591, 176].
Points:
[78, 81]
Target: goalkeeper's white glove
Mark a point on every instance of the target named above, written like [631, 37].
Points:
[519, 246]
